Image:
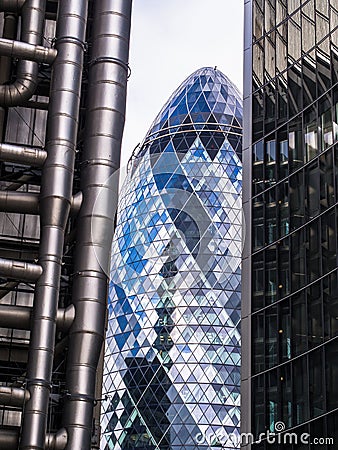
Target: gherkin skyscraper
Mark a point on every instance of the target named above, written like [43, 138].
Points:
[172, 362]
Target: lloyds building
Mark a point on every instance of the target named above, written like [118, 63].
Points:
[290, 195]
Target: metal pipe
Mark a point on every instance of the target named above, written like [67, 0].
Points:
[105, 116]
[56, 441]
[20, 270]
[9, 439]
[28, 202]
[11, 5]
[9, 32]
[76, 203]
[55, 202]
[33, 14]
[22, 50]
[13, 396]
[65, 318]
[31, 156]
[19, 317]
[19, 202]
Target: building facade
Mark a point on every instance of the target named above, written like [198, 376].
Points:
[290, 194]
[172, 361]
[53, 287]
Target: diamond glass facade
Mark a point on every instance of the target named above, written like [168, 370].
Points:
[172, 363]
[290, 316]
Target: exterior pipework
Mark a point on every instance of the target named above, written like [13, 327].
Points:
[9, 440]
[19, 317]
[11, 5]
[12, 396]
[28, 202]
[19, 202]
[32, 15]
[22, 50]
[105, 117]
[31, 156]
[9, 31]
[19, 270]
[55, 202]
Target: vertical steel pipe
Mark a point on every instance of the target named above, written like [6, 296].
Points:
[105, 117]
[55, 202]
[32, 24]
[9, 32]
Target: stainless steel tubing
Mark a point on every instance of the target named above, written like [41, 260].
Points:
[31, 156]
[9, 32]
[28, 202]
[19, 317]
[22, 50]
[19, 270]
[19, 202]
[11, 5]
[65, 318]
[55, 202]
[105, 117]
[32, 22]
[76, 203]
[13, 396]
[57, 441]
[9, 439]
[13, 316]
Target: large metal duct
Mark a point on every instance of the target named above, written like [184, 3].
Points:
[55, 202]
[105, 117]
[32, 23]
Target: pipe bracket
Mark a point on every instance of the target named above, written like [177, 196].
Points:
[110, 59]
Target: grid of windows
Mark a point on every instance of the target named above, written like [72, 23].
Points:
[294, 216]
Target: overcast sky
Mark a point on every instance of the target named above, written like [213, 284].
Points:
[170, 39]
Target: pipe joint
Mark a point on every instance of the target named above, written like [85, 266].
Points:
[38, 382]
[29, 52]
[12, 396]
[20, 270]
[65, 318]
[57, 441]
[33, 156]
[81, 398]
[70, 40]
[111, 60]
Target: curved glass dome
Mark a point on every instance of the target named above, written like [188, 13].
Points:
[172, 362]
[205, 97]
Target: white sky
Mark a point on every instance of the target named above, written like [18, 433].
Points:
[170, 39]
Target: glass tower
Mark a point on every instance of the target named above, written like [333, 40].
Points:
[290, 157]
[172, 362]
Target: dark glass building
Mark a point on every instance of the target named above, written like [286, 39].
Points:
[172, 363]
[290, 194]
